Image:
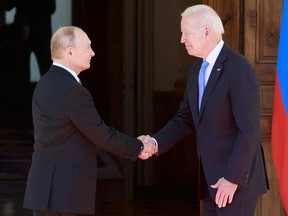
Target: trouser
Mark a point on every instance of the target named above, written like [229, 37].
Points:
[243, 208]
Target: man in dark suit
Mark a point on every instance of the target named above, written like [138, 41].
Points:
[68, 131]
[227, 119]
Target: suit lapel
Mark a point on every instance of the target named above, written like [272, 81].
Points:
[214, 77]
[193, 90]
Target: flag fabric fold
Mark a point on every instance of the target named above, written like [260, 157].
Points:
[279, 140]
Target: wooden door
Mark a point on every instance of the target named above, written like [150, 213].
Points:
[262, 29]
[252, 27]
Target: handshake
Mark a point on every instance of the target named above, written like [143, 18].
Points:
[150, 147]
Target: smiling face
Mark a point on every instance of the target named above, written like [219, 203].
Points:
[194, 38]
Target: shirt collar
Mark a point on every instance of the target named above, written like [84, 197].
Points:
[211, 58]
[68, 69]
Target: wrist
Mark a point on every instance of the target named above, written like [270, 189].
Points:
[141, 148]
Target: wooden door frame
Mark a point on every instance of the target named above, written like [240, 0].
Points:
[138, 86]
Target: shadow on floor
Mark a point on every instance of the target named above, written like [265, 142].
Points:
[110, 201]
[16, 148]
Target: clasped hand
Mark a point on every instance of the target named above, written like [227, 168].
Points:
[149, 149]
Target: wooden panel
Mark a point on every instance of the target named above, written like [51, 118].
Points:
[268, 28]
[230, 13]
[266, 72]
[267, 98]
[266, 37]
[266, 126]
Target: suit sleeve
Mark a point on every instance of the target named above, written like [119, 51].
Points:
[80, 108]
[245, 103]
[176, 129]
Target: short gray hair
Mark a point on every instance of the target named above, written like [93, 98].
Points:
[204, 16]
[64, 37]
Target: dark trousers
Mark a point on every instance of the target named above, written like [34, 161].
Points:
[53, 213]
[243, 208]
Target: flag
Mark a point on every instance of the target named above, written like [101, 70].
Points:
[279, 140]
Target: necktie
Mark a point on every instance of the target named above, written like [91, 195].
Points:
[201, 80]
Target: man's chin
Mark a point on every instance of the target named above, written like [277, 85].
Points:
[88, 66]
[190, 53]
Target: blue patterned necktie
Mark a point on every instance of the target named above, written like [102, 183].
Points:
[201, 80]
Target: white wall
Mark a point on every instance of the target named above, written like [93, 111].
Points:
[62, 15]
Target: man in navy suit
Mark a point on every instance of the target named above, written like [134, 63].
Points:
[68, 131]
[227, 119]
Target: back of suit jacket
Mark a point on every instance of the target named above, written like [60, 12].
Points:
[227, 125]
[68, 130]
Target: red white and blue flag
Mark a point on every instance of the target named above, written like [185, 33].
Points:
[280, 112]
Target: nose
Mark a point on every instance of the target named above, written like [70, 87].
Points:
[183, 38]
[92, 53]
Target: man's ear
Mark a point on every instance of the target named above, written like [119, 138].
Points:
[68, 51]
[207, 31]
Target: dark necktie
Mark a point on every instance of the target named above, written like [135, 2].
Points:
[201, 80]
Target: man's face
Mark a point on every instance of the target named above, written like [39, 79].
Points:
[192, 37]
[82, 52]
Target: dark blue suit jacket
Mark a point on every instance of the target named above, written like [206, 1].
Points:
[68, 131]
[227, 125]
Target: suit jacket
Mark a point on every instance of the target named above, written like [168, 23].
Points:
[68, 131]
[227, 126]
